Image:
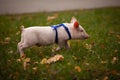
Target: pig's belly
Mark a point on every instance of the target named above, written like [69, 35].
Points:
[44, 42]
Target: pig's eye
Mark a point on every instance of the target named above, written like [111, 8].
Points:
[81, 30]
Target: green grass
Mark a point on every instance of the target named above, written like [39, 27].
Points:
[100, 60]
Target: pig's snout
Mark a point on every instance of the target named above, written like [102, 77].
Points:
[86, 37]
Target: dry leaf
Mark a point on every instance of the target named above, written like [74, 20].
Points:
[77, 68]
[115, 50]
[24, 65]
[6, 40]
[36, 62]
[87, 64]
[11, 51]
[115, 72]
[105, 78]
[17, 33]
[102, 46]
[68, 63]
[34, 68]
[52, 59]
[18, 60]
[118, 36]
[111, 32]
[44, 60]
[75, 58]
[57, 57]
[88, 46]
[114, 60]
[103, 62]
[52, 17]
[26, 62]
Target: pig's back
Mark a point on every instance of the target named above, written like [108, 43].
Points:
[41, 35]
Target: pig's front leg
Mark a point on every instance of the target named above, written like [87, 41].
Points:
[67, 45]
[63, 44]
[58, 48]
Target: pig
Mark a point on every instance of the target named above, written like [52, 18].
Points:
[47, 35]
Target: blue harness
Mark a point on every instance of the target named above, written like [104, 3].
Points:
[56, 35]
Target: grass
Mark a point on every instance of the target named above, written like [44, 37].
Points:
[97, 58]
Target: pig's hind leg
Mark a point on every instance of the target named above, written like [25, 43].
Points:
[21, 46]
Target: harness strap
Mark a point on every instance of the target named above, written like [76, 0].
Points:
[56, 35]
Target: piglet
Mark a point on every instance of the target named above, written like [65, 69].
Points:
[47, 35]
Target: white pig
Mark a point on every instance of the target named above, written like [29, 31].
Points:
[46, 35]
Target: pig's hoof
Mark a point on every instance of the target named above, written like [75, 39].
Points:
[22, 56]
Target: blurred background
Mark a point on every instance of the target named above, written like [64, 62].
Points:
[28, 6]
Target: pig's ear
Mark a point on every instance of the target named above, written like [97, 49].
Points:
[73, 19]
[76, 24]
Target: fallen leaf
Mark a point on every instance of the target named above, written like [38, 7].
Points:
[34, 68]
[24, 65]
[88, 46]
[11, 51]
[119, 42]
[68, 63]
[44, 60]
[17, 33]
[87, 64]
[103, 62]
[18, 60]
[111, 32]
[115, 50]
[55, 58]
[102, 46]
[27, 60]
[114, 60]
[74, 57]
[54, 16]
[6, 40]
[118, 36]
[93, 43]
[77, 68]
[105, 78]
[52, 59]
[114, 72]
[36, 62]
